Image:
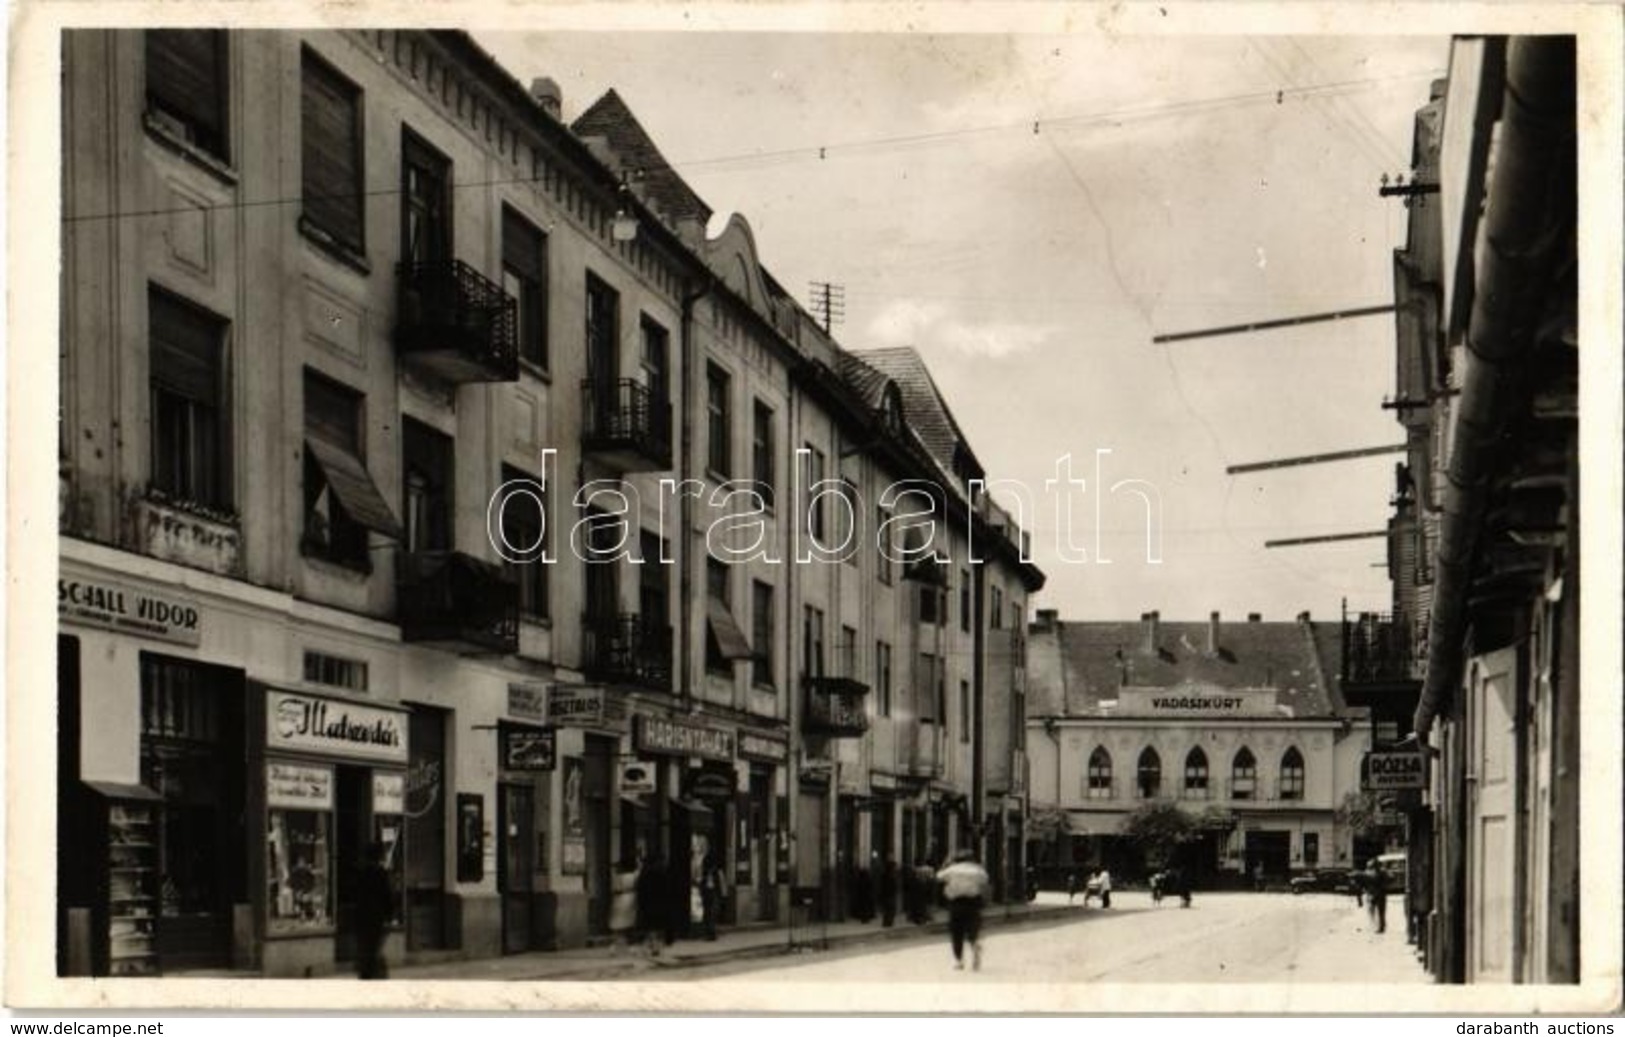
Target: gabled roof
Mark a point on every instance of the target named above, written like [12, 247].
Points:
[610, 118]
[1074, 667]
[924, 407]
[862, 378]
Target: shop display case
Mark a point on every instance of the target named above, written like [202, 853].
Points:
[126, 916]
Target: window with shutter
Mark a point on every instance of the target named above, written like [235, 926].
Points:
[341, 500]
[524, 528]
[331, 156]
[185, 371]
[524, 276]
[186, 85]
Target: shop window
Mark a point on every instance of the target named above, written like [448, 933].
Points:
[1100, 774]
[331, 157]
[882, 679]
[335, 672]
[761, 634]
[524, 278]
[1196, 774]
[1243, 775]
[1292, 775]
[719, 423]
[299, 870]
[765, 461]
[186, 86]
[342, 503]
[1311, 849]
[524, 528]
[186, 368]
[1148, 775]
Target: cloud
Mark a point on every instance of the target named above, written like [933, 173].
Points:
[929, 325]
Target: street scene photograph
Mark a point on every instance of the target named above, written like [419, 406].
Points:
[705, 514]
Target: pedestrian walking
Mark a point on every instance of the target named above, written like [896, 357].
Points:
[888, 893]
[374, 904]
[1105, 888]
[1379, 901]
[964, 887]
[925, 886]
[1357, 880]
[1157, 879]
[652, 921]
[710, 882]
[1072, 882]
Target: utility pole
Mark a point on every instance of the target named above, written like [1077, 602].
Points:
[828, 303]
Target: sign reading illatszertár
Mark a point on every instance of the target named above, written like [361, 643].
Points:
[299, 722]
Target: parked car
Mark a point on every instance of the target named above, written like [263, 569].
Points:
[1326, 880]
[1391, 866]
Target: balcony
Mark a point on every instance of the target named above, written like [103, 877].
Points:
[627, 649]
[455, 325]
[1378, 650]
[835, 697]
[457, 602]
[626, 425]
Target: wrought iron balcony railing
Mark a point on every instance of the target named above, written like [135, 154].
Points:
[1378, 649]
[456, 324]
[624, 423]
[457, 601]
[835, 696]
[627, 648]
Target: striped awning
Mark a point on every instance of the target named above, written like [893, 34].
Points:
[357, 494]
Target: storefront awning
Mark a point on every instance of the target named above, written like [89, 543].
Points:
[693, 806]
[730, 639]
[354, 488]
[1077, 824]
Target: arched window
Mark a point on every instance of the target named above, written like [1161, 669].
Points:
[1292, 774]
[1243, 775]
[1196, 774]
[1100, 774]
[1149, 776]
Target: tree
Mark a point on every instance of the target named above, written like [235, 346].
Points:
[1045, 826]
[1358, 813]
[1158, 829]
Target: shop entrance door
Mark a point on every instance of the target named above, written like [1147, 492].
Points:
[1268, 854]
[516, 864]
[597, 780]
[352, 795]
[1491, 838]
[761, 845]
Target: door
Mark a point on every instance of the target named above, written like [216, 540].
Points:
[1491, 846]
[425, 202]
[595, 793]
[352, 807]
[516, 863]
[761, 842]
[603, 343]
[426, 810]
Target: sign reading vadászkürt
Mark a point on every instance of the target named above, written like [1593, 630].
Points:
[1386, 771]
[299, 722]
[113, 605]
[1196, 700]
[677, 738]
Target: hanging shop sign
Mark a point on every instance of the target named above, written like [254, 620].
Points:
[585, 707]
[299, 722]
[1385, 771]
[682, 738]
[637, 778]
[712, 786]
[388, 793]
[527, 702]
[528, 749]
[113, 605]
[297, 786]
[757, 745]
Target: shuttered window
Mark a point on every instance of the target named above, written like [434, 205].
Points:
[186, 85]
[524, 265]
[331, 183]
[186, 373]
[341, 501]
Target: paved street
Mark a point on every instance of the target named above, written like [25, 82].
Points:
[1223, 937]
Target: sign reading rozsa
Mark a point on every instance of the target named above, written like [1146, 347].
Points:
[298, 722]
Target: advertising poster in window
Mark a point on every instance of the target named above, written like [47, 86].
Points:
[573, 843]
[470, 837]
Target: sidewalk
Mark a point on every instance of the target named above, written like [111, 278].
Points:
[760, 940]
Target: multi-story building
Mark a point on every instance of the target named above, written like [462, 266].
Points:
[1484, 553]
[429, 478]
[1240, 725]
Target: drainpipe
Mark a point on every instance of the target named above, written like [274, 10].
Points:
[978, 658]
[1535, 149]
[685, 471]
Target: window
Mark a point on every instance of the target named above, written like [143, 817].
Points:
[1100, 774]
[341, 501]
[335, 672]
[850, 537]
[524, 277]
[964, 712]
[724, 642]
[425, 202]
[1292, 776]
[761, 622]
[1311, 849]
[652, 367]
[1196, 774]
[1148, 776]
[815, 503]
[812, 642]
[764, 465]
[996, 613]
[882, 564]
[719, 422]
[186, 86]
[926, 685]
[426, 484]
[933, 605]
[1243, 775]
[524, 527]
[331, 156]
[186, 372]
[942, 691]
[882, 679]
[654, 591]
[964, 600]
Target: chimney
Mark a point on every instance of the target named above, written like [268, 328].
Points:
[1047, 619]
[546, 93]
[1213, 633]
[1303, 617]
[1255, 617]
[1148, 627]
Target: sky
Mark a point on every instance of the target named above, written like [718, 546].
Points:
[1028, 211]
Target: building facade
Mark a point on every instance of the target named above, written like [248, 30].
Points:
[1240, 725]
[430, 478]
